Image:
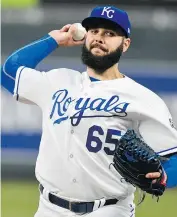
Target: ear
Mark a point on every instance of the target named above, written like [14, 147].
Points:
[126, 44]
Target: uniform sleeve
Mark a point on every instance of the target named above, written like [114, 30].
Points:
[28, 56]
[30, 86]
[170, 168]
[157, 128]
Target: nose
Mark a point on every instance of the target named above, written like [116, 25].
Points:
[99, 40]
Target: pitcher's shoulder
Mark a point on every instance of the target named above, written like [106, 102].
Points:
[143, 92]
[63, 72]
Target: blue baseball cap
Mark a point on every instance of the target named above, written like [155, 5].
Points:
[110, 15]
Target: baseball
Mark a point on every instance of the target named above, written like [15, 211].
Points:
[80, 32]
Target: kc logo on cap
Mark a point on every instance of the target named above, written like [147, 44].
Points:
[109, 12]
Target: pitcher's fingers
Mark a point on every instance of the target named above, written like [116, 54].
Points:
[164, 180]
[154, 181]
[154, 175]
[79, 42]
[65, 28]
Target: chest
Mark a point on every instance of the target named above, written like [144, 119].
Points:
[82, 103]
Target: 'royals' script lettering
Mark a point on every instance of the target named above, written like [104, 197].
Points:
[62, 100]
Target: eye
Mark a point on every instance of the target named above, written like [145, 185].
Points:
[94, 31]
[110, 33]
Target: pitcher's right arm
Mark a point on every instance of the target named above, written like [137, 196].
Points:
[30, 55]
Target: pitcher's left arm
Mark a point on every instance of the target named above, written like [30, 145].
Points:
[158, 130]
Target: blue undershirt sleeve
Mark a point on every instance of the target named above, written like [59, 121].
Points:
[170, 168]
[28, 56]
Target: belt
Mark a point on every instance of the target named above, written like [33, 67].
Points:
[77, 207]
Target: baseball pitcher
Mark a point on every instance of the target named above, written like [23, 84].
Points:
[85, 115]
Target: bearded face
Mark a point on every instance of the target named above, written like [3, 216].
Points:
[100, 62]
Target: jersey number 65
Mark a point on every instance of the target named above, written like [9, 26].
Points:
[94, 143]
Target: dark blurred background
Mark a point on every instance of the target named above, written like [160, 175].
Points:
[151, 61]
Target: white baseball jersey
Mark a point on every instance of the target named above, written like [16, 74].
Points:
[82, 123]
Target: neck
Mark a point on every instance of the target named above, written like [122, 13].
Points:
[110, 74]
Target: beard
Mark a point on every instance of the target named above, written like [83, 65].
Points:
[101, 63]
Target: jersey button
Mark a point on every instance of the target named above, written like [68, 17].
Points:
[85, 94]
[74, 180]
[71, 155]
[72, 131]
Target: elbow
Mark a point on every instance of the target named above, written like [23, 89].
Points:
[8, 73]
[10, 66]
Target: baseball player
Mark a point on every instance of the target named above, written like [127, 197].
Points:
[85, 115]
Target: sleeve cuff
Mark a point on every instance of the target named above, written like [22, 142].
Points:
[168, 151]
[17, 80]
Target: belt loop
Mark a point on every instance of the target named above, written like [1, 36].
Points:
[96, 205]
[46, 194]
[102, 200]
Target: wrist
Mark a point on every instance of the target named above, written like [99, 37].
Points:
[54, 35]
[52, 42]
